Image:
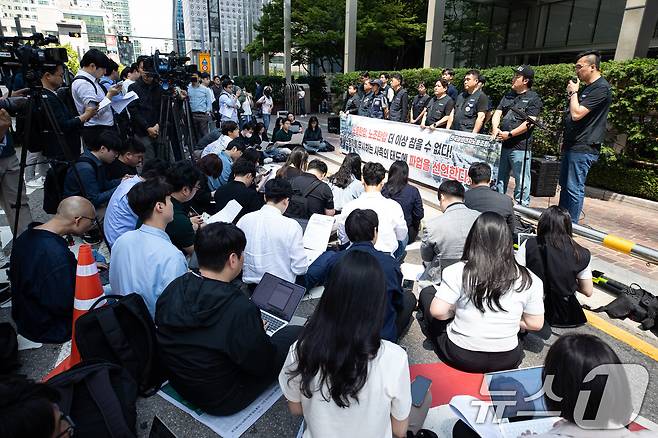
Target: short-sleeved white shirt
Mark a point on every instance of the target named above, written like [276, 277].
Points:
[585, 274]
[386, 392]
[489, 331]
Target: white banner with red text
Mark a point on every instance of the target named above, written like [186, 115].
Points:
[432, 155]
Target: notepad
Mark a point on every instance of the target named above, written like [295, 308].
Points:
[226, 214]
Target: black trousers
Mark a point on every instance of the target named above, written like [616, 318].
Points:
[253, 387]
[404, 313]
[461, 358]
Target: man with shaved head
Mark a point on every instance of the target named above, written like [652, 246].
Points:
[42, 273]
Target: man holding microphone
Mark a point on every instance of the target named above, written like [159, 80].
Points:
[584, 129]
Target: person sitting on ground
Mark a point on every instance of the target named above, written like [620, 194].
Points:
[42, 273]
[260, 134]
[314, 195]
[361, 227]
[233, 151]
[398, 189]
[294, 122]
[609, 409]
[277, 126]
[444, 236]
[130, 157]
[230, 131]
[101, 148]
[29, 409]
[295, 164]
[247, 134]
[119, 217]
[483, 302]
[562, 265]
[211, 167]
[392, 230]
[274, 242]
[346, 183]
[340, 375]
[314, 133]
[284, 135]
[144, 260]
[482, 198]
[184, 180]
[240, 189]
[212, 336]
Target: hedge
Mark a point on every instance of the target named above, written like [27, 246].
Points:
[620, 176]
[634, 110]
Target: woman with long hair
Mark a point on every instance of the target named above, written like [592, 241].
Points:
[340, 375]
[313, 134]
[398, 188]
[277, 125]
[483, 302]
[346, 183]
[295, 164]
[563, 266]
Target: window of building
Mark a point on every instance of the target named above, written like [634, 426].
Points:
[558, 24]
[609, 22]
[583, 20]
[516, 28]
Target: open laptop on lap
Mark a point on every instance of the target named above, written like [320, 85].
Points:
[277, 300]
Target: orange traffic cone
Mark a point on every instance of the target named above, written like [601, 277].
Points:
[88, 289]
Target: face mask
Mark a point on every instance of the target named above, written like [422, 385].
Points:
[247, 135]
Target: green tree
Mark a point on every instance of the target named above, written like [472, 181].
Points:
[73, 63]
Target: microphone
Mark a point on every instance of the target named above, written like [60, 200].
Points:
[527, 118]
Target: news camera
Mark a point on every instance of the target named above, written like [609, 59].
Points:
[171, 68]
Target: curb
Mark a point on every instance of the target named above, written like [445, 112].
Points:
[607, 195]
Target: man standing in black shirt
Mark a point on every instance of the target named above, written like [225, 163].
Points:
[449, 74]
[364, 78]
[399, 105]
[145, 111]
[419, 104]
[353, 101]
[584, 130]
[439, 107]
[366, 100]
[516, 134]
[471, 106]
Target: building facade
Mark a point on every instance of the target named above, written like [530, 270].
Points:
[195, 26]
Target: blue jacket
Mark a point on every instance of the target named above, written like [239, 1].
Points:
[97, 188]
[318, 271]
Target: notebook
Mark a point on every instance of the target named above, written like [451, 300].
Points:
[277, 300]
[521, 387]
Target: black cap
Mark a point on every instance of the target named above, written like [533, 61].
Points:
[526, 71]
[278, 188]
[377, 82]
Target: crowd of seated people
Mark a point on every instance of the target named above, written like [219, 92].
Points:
[343, 370]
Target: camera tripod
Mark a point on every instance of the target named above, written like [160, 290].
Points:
[176, 116]
[38, 103]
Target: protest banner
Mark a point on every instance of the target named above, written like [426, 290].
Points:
[432, 155]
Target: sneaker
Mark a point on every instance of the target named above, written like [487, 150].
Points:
[36, 183]
[267, 160]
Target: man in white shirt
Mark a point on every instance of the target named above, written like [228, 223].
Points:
[274, 242]
[132, 74]
[392, 226]
[87, 90]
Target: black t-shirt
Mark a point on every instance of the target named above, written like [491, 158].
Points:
[586, 134]
[417, 106]
[319, 199]
[529, 103]
[467, 108]
[117, 169]
[438, 108]
[247, 197]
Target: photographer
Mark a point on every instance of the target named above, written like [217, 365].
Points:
[88, 91]
[145, 111]
[9, 174]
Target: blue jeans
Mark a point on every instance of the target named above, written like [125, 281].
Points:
[512, 161]
[402, 247]
[573, 174]
[266, 122]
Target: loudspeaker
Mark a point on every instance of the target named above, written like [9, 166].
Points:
[544, 175]
[333, 124]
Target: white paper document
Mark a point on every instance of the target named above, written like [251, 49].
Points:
[316, 235]
[231, 426]
[118, 102]
[226, 214]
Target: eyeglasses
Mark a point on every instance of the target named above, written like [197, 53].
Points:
[93, 219]
[578, 66]
[70, 429]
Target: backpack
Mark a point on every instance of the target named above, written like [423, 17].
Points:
[8, 348]
[66, 94]
[298, 206]
[122, 333]
[53, 186]
[635, 303]
[100, 397]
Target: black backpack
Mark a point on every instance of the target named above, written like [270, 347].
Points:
[53, 186]
[66, 95]
[123, 333]
[298, 206]
[100, 398]
[8, 348]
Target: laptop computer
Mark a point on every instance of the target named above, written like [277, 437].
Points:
[277, 300]
[314, 144]
[295, 129]
[519, 391]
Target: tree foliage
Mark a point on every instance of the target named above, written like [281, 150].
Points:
[73, 64]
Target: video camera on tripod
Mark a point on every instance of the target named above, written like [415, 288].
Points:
[171, 69]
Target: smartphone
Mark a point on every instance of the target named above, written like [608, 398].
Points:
[419, 388]
[408, 284]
